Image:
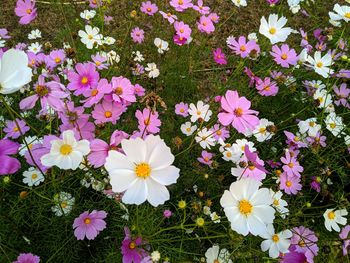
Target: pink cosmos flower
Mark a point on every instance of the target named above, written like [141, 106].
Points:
[55, 58]
[89, 225]
[237, 112]
[139, 90]
[94, 95]
[205, 25]
[27, 258]
[294, 141]
[214, 17]
[95, 3]
[86, 78]
[284, 56]
[122, 90]
[137, 35]
[251, 76]
[169, 16]
[149, 8]
[242, 47]
[206, 158]
[49, 93]
[293, 256]
[148, 121]
[181, 109]
[100, 149]
[253, 159]
[4, 33]
[318, 140]
[181, 5]
[291, 166]
[15, 129]
[26, 10]
[344, 73]
[132, 248]
[342, 94]
[99, 61]
[266, 87]
[107, 111]
[167, 213]
[219, 132]
[305, 241]
[344, 235]
[219, 57]
[204, 10]
[290, 184]
[272, 2]
[316, 183]
[182, 30]
[9, 165]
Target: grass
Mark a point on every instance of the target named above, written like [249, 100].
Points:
[187, 74]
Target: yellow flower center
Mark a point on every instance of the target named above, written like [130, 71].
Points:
[229, 154]
[64, 204]
[41, 90]
[94, 92]
[87, 221]
[199, 112]
[90, 37]
[15, 129]
[66, 149]
[149, 9]
[180, 2]
[188, 129]
[276, 202]
[34, 176]
[332, 125]
[331, 215]
[98, 63]
[275, 238]
[311, 124]
[267, 88]
[238, 112]
[119, 91]
[290, 165]
[132, 245]
[181, 30]
[347, 15]
[143, 170]
[288, 183]
[245, 207]
[147, 121]
[319, 65]
[84, 80]
[243, 48]
[301, 243]
[262, 130]
[272, 30]
[284, 56]
[57, 60]
[216, 261]
[29, 11]
[182, 110]
[219, 132]
[108, 114]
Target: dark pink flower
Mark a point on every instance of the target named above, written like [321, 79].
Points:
[219, 57]
[89, 225]
[137, 35]
[9, 165]
[205, 25]
[181, 5]
[122, 90]
[26, 10]
[182, 30]
[290, 184]
[27, 258]
[167, 213]
[291, 165]
[206, 158]
[94, 95]
[132, 248]
[305, 241]
[181, 109]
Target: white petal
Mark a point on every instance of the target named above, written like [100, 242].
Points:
[136, 194]
[161, 156]
[265, 245]
[121, 179]
[157, 193]
[83, 146]
[166, 176]
[117, 160]
[135, 149]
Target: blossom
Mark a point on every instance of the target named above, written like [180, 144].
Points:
[220, 132]
[26, 10]
[342, 93]
[267, 87]
[304, 241]
[219, 57]
[107, 111]
[239, 3]
[182, 30]
[153, 71]
[85, 78]
[94, 95]
[274, 29]
[290, 183]
[205, 138]
[89, 225]
[148, 120]
[309, 126]
[241, 47]
[320, 64]
[341, 12]
[206, 158]
[181, 5]
[14, 71]
[132, 250]
[279, 204]
[66, 153]
[204, 10]
[144, 170]
[263, 131]
[284, 56]
[122, 90]
[200, 111]
[91, 36]
[236, 111]
[149, 8]
[137, 35]
[27, 257]
[205, 25]
[291, 165]
[33, 177]
[15, 129]
[346, 241]
[187, 128]
[88, 14]
[63, 203]
[161, 45]
[334, 217]
[34, 34]
[216, 255]
[99, 61]
[275, 243]
[334, 124]
[181, 109]
[9, 165]
[247, 207]
[169, 16]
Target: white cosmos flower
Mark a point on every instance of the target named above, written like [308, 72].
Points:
[201, 111]
[334, 217]
[14, 71]
[143, 171]
[239, 2]
[310, 126]
[247, 207]
[66, 153]
[35, 47]
[261, 132]
[30, 140]
[161, 45]
[109, 41]
[215, 255]
[320, 64]
[152, 69]
[34, 34]
[335, 124]
[342, 12]
[188, 129]
[273, 29]
[276, 243]
[294, 5]
[91, 36]
[64, 203]
[33, 177]
[205, 138]
[279, 204]
[88, 14]
[138, 56]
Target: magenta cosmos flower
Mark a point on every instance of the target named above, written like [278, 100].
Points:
[15, 129]
[27, 258]
[132, 248]
[122, 90]
[137, 35]
[290, 184]
[107, 111]
[149, 8]
[181, 109]
[181, 5]
[305, 241]
[342, 93]
[182, 30]
[237, 112]
[219, 132]
[206, 158]
[266, 87]
[85, 78]
[148, 121]
[291, 165]
[205, 25]
[242, 47]
[219, 57]
[9, 165]
[284, 56]
[26, 10]
[293, 256]
[89, 225]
